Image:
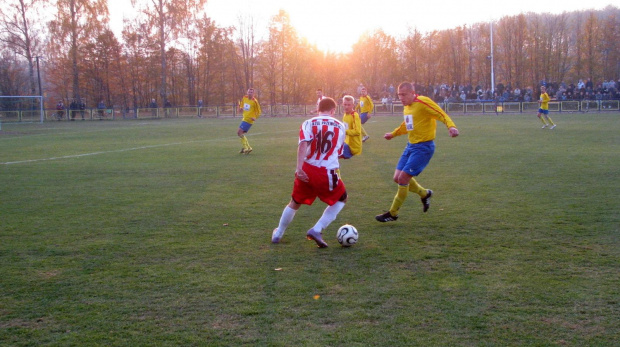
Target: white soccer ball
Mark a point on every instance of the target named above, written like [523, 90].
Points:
[347, 235]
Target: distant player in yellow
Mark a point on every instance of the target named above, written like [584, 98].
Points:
[251, 111]
[365, 108]
[353, 125]
[420, 124]
[544, 108]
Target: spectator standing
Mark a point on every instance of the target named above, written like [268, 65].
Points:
[167, 106]
[101, 109]
[82, 108]
[153, 106]
[73, 107]
[589, 86]
[60, 110]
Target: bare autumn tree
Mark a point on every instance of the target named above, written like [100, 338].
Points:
[76, 23]
[539, 38]
[431, 62]
[102, 70]
[480, 55]
[213, 71]
[269, 60]
[282, 39]
[168, 18]
[610, 44]
[12, 76]
[140, 52]
[246, 43]
[377, 59]
[458, 54]
[273, 57]
[510, 48]
[21, 34]
[338, 75]
[590, 44]
[410, 57]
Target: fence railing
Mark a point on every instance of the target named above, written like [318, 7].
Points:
[296, 110]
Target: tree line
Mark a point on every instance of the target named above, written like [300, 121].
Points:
[173, 52]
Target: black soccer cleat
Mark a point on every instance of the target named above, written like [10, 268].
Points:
[386, 217]
[426, 201]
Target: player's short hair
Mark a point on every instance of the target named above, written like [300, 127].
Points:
[327, 104]
[320, 90]
[407, 86]
[348, 98]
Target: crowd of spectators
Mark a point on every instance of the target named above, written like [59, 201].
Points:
[582, 90]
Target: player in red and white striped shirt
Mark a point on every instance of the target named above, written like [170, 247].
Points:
[321, 141]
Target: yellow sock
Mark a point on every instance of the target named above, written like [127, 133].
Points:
[399, 199]
[542, 119]
[550, 121]
[244, 142]
[364, 133]
[415, 187]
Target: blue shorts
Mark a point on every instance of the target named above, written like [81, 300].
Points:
[346, 152]
[545, 112]
[364, 117]
[415, 157]
[245, 126]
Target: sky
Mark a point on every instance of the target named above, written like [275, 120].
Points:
[335, 25]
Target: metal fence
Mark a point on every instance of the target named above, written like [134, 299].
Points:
[296, 110]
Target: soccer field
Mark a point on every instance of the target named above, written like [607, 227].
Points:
[157, 233]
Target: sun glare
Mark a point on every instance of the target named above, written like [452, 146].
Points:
[336, 25]
[330, 25]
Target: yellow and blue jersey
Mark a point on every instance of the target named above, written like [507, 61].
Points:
[544, 101]
[353, 126]
[365, 104]
[251, 109]
[421, 120]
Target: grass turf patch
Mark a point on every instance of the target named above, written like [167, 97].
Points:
[157, 233]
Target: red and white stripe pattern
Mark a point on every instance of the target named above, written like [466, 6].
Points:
[327, 136]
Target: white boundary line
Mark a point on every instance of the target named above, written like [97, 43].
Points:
[124, 150]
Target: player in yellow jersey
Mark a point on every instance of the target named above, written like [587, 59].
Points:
[544, 108]
[365, 108]
[251, 111]
[353, 124]
[420, 124]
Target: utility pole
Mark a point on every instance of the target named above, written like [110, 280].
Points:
[40, 89]
[492, 63]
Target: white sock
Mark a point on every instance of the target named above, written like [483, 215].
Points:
[329, 215]
[286, 219]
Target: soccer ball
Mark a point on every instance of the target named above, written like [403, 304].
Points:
[347, 235]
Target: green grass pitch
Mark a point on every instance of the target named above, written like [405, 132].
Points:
[157, 233]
